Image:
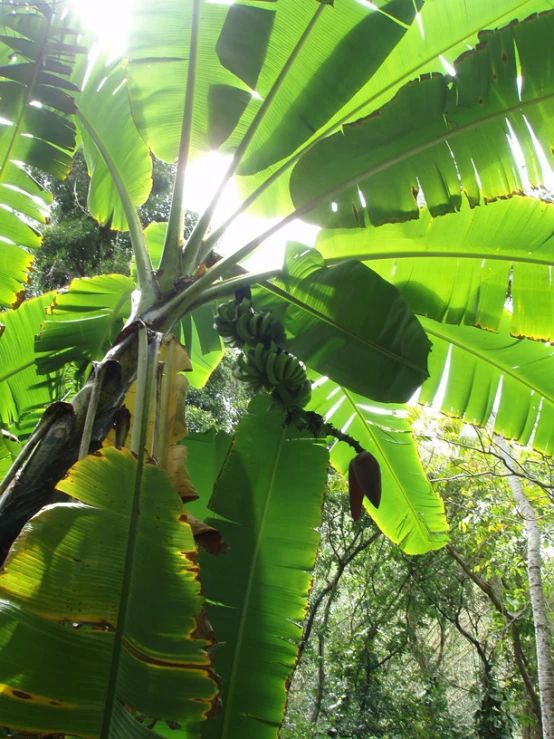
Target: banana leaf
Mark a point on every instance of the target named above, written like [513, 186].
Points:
[444, 30]
[410, 513]
[376, 348]
[452, 137]
[159, 50]
[458, 268]
[101, 610]
[473, 372]
[83, 321]
[105, 118]
[36, 103]
[23, 392]
[268, 499]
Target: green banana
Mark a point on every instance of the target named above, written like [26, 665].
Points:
[280, 365]
[269, 368]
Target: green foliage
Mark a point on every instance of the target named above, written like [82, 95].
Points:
[353, 135]
[121, 664]
[75, 245]
[221, 403]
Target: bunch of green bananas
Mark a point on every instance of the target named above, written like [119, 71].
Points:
[263, 365]
[238, 324]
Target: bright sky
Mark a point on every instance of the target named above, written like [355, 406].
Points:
[204, 173]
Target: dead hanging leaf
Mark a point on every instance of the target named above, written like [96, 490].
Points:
[176, 466]
[364, 478]
[206, 536]
[176, 422]
[173, 355]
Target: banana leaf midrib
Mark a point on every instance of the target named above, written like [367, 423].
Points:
[351, 334]
[228, 713]
[424, 530]
[434, 253]
[483, 357]
[19, 368]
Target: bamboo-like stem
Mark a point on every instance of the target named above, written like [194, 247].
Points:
[163, 430]
[194, 248]
[140, 394]
[170, 264]
[152, 354]
[148, 287]
[99, 371]
[157, 399]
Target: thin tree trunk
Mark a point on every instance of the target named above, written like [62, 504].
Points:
[519, 656]
[538, 603]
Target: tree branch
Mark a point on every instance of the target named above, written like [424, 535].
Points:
[519, 655]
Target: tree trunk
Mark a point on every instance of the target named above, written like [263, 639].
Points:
[538, 603]
[519, 657]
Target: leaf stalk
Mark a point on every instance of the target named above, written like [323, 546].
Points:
[195, 251]
[170, 264]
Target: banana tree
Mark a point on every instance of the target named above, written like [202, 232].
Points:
[339, 113]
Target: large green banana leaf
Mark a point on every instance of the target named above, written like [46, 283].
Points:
[159, 51]
[101, 609]
[443, 31]
[450, 136]
[345, 49]
[269, 495]
[37, 54]
[83, 321]
[243, 49]
[104, 120]
[23, 392]
[470, 369]
[205, 459]
[457, 268]
[411, 514]
[372, 351]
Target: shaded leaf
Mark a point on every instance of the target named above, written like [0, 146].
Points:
[270, 495]
[378, 349]
[55, 576]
